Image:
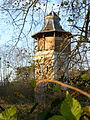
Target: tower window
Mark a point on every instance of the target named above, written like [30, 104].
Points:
[47, 69]
[41, 44]
[57, 44]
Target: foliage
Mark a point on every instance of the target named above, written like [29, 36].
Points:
[60, 109]
[57, 117]
[9, 114]
[33, 83]
[30, 13]
[26, 16]
[25, 73]
[85, 76]
[56, 87]
[18, 92]
[68, 109]
[86, 110]
[43, 115]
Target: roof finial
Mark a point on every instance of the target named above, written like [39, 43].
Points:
[52, 7]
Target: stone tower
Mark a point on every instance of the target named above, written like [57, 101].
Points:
[53, 48]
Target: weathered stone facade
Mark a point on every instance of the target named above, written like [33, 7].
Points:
[52, 49]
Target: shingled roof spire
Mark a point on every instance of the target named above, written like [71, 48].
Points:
[52, 24]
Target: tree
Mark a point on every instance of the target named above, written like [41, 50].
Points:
[26, 17]
[24, 13]
[25, 74]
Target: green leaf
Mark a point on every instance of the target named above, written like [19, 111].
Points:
[70, 108]
[76, 109]
[89, 11]
[85, 76]
[70, 20]
[65, 3]
[33, 83]
[56, 87]
[86, 110]
[9, 114]
[78, 45]
[84, 1]
[85, 118]
[43, 115]
[57, 117]
[62, 4]
[1, 117]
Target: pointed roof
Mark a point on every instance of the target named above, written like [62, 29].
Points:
[51, 25]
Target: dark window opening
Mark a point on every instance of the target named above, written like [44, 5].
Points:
[47, 69]
[57, 44]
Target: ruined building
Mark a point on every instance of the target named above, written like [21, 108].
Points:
[53, 49]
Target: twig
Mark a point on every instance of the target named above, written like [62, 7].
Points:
[64, 85]
[24, 21]
[87, 22]
[3, 109]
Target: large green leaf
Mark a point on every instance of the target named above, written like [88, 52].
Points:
[76, 109]
[43, 115]
[1, 117]
[85, 76]
[9, 114]
[57, 117]
[70, 108]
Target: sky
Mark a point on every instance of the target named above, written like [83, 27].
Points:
[9, 32]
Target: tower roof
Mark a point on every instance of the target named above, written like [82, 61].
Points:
[51, 25]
